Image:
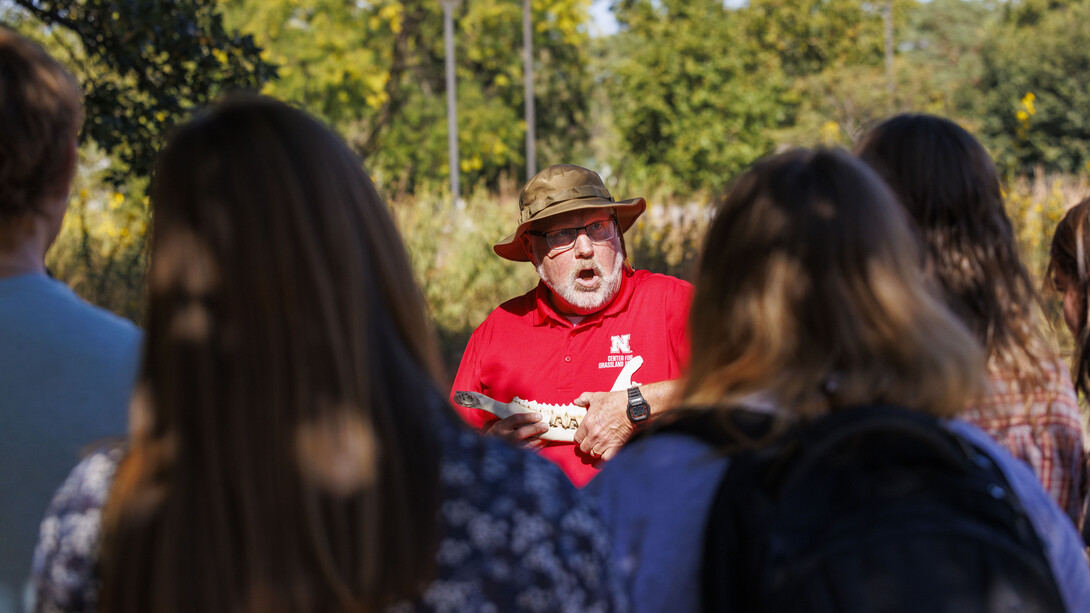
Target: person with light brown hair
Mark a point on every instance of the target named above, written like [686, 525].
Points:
[290, 450]
[948, 183]
[811, 313]
[66, 367]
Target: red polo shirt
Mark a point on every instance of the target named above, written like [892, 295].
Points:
[526, 349]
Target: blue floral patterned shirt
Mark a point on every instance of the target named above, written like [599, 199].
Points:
[514, 536]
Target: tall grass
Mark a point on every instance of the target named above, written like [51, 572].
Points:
[101, 251]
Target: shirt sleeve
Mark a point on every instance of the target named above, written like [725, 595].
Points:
[678, 320]
[468, 379]
[517, 536]
[65, 569]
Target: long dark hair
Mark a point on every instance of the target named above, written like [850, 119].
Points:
[949, 185]
[1069, 255]
[283, 453]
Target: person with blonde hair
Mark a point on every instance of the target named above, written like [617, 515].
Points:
[812, 318]
[948, 184]
[66, 367]
[290, 449]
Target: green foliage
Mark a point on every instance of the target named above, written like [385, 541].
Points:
[145, 65]
[832, 51]
[451, 252]
[690, 109]
[101, 252]
[673, 107]
[939, 63]
[375, 70]
[1035, 85]
[809, 36]
[667, 238]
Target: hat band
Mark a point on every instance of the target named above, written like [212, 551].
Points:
[585, 191]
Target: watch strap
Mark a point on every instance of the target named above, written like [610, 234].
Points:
[638, 409]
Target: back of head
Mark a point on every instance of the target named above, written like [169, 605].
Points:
[283, 454]
[948, 183]
[809, 291]
[40, 116]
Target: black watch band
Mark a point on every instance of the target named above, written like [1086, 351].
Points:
[638, 409]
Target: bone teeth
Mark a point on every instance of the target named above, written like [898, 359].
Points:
[563, 419]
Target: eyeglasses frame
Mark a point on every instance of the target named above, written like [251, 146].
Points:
[562, 248]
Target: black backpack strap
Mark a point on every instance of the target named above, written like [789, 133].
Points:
[739, 510]
[721, 428]
[845, 427]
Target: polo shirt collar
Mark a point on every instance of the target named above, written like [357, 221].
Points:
[546, 312]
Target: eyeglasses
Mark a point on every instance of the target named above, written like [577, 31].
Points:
[563, 238]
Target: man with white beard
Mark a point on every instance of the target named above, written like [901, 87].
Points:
[594, 332]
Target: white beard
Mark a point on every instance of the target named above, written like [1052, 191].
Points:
[589, 300]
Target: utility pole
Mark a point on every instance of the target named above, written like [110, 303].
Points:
[452, 108]
[887, 18]
[528, 75]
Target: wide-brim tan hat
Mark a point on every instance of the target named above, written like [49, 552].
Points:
[561, 189]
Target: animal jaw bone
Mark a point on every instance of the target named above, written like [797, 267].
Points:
[563, 419]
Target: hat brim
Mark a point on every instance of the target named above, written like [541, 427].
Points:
[511, 248]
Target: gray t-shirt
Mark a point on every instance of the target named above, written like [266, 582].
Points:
[66, 371]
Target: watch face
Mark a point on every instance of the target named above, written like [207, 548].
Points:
[638, 412]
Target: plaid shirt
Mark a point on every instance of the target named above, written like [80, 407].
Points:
[1042, 427]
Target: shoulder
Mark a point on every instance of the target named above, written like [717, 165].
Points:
[511, 313]
[496, 477]
[656, 468]
[514, 528]
[1061, 395]
[1061, 542]
[88, 484]
[519, 306]
[504, 321]
[1052, 405]
[654, 498]
[646, 280]
[65, 557]
[37, 298]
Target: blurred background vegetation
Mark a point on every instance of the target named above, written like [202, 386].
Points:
[671, 106]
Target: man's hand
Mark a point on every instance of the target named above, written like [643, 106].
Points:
[522, 429]
[606, 427]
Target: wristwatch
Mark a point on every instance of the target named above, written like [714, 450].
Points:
[638, 409]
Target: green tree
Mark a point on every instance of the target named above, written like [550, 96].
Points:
[144, 66]
[375, 71]
[692, 105]
[1036, 84]
[832, 51]
[812, 35]
[939, 59]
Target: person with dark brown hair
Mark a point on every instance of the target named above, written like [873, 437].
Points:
[290, 450]
[1069, 273]
[812, 316]
[948, 184]
[66, 367]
